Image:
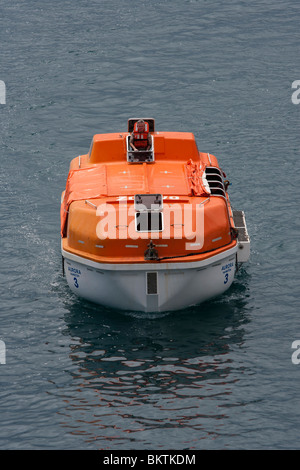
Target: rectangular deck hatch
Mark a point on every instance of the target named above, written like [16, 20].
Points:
[148, 202]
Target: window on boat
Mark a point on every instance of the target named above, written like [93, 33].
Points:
[149, 221]
[148, 217]
[215, 181]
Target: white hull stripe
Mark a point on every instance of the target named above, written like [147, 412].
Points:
[148, 266]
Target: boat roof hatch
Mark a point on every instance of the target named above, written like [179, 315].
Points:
[150, 121]
[148, 202]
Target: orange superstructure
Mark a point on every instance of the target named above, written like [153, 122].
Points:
[98, 216]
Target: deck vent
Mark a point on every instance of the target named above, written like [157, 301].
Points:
[215, 181]
[151, 283]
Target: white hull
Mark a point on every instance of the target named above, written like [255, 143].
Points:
[151, 287]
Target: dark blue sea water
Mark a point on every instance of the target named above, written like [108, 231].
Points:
[78, 376]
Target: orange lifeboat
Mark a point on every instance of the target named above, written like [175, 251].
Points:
[149, 230]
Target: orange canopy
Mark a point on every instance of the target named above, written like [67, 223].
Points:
[115, 179]
[85, 183]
